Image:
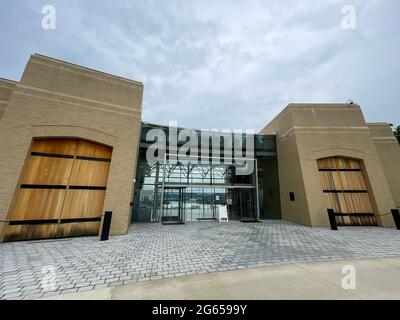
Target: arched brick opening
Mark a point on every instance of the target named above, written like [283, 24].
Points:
[61, 190]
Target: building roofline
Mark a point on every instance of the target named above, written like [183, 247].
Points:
[178, 127]
[310, 105]
[197, 129]
[88, 69]
[322, 104]
[377, 123]
[9, 80]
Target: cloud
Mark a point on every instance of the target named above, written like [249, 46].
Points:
[221, 64]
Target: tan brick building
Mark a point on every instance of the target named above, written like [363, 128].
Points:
[58, 99]
[71, 141]
[306, 133]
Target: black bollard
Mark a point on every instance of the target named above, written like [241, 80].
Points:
[106, 226]
[396, 218]
[332, 219]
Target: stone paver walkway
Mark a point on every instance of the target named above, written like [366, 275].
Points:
[153, 251]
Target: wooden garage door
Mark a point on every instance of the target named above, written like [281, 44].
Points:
[343, 182]
[61, 192]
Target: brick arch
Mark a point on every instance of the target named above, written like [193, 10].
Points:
[68, 131]
[338, 152]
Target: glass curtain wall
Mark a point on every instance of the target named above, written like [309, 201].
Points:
[193, 191]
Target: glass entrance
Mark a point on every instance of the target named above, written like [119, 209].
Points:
[173, 206]
[241, 205]
[207, 181]
[180, 204]
[201, 203]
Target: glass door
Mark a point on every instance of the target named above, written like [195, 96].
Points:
[173, 206]
[241, 205]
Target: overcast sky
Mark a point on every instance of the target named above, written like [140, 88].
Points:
[221, 64]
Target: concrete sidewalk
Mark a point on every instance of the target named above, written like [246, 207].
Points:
[375, 279]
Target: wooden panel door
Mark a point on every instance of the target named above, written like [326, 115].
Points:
[343, 182]
[61, 192]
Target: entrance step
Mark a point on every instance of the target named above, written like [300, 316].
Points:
[172, 222]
